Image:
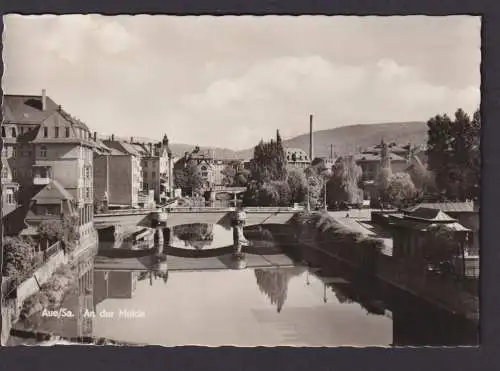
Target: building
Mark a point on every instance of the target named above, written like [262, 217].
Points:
[466, 213]
[209, 167]
[296, 158]
[415, 237]
[49, 149]
[9, 187]
[157, 169]
[370, 160]
[118, 174]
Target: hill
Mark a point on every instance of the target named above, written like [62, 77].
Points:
[349, 139]
[345, 139]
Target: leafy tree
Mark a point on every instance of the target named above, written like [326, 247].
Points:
[454, 154]
[343, 184]
[315, 187]
[422, 178]
[268, 163]
[401, 190]
[64, 230]
[229, 174]
[241, 178]
[441, 248]
[268, 195]
[17, 257]
[284, 192]
[297, 183]
[187, 176]
[382, 182]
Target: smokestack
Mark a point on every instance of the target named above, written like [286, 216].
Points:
[331, 151]
[311, 141]
[151, 149]
[112, 137]
[44, 100]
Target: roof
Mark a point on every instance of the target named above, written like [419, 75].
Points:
[447, 207]
[429, 214]
[52, 192]
[390, 147]
[26, 109]
[122, 147]
[299, 154]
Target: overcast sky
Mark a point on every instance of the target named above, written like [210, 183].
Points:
[230, 81]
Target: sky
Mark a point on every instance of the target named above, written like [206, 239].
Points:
[231, 81]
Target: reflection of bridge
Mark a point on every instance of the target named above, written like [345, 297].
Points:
[189, 215]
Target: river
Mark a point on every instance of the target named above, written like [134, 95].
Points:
[262, 305]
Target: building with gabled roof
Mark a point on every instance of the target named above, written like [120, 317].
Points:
[46, 146]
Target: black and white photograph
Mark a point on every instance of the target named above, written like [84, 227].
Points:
[309, 181]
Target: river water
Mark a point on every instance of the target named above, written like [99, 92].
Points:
[256, 306]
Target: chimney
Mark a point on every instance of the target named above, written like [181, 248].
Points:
[112, 137]
[151, 149]
[311, 141]
[44, 100]
[131, 139]
[95, 136]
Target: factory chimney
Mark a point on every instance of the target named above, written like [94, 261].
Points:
[311, 140]
[44, 100]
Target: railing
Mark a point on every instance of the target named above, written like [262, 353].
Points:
[197, 209]
[127, 212]
[52, 250]
[270, 209]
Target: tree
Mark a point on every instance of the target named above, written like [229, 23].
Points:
[229, 175]
[284, 192]
[268, 195]
[64, 230]
[17, 257]
[268, 163]
[343, 184]
[297, 183]
[187, 176]
[401, 190]
[454, 154]
[382, 182]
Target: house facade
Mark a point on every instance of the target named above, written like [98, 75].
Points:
[296, 158]
[118, 174]
[50, 149]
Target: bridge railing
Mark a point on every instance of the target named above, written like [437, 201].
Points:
[197, 209]
[271, 209]
[126, 212]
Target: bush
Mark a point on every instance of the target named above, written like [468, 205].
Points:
[18, 257]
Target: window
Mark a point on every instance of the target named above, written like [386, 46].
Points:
[145, 175]
[21, 130]
[146, 186]
[153, 174]
[204, 174]
[14, 173]
[56, 132]
[44, 173]
[67, 132]
[87, 192]
[4, 173]
[10, 199]
[13, 132]
[3, 132]
[45, 132]
[203, 168]
[43, 151]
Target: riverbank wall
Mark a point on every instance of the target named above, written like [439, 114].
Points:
[14, 302]
[319, 238]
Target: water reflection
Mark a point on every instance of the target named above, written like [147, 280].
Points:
[274, 283]
[199, 236]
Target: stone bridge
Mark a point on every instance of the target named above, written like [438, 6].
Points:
[189, 215]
